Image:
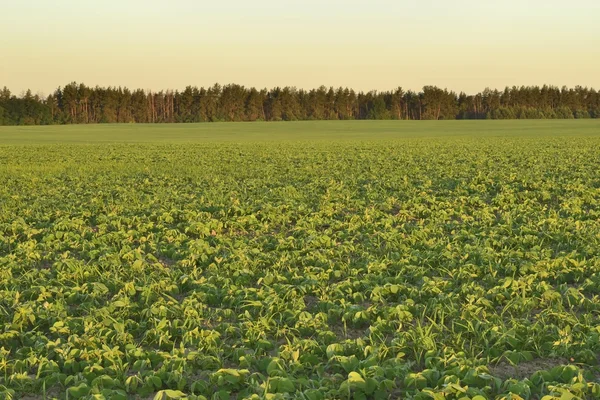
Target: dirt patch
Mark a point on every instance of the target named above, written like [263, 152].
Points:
[50, 394]
[44, 266]
[311, 302]
[365, 304]
[504, 370]
[349, 333]
[166, 262]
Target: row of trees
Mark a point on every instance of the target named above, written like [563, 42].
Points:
[78, 103]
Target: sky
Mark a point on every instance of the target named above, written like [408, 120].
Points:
[462, 45]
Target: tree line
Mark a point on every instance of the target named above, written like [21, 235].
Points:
[81, 104]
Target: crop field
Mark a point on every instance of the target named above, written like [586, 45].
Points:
[313, 260]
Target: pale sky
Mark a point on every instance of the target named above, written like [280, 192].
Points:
[368, 44]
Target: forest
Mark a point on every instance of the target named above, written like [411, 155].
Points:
[80, 104]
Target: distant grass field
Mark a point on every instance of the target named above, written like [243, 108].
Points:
[317, 130]
[309, 260]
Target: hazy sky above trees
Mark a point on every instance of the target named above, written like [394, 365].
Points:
[459, 44]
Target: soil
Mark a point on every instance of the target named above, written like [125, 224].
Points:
[504, 370]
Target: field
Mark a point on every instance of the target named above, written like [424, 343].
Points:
[312, 260]
[294, 131]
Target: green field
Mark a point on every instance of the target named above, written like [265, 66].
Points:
[308, 260]
[292, 131]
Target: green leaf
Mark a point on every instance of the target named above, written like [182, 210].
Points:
[78, 391]
[169, 394]
[356, 381]
[274, 368]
